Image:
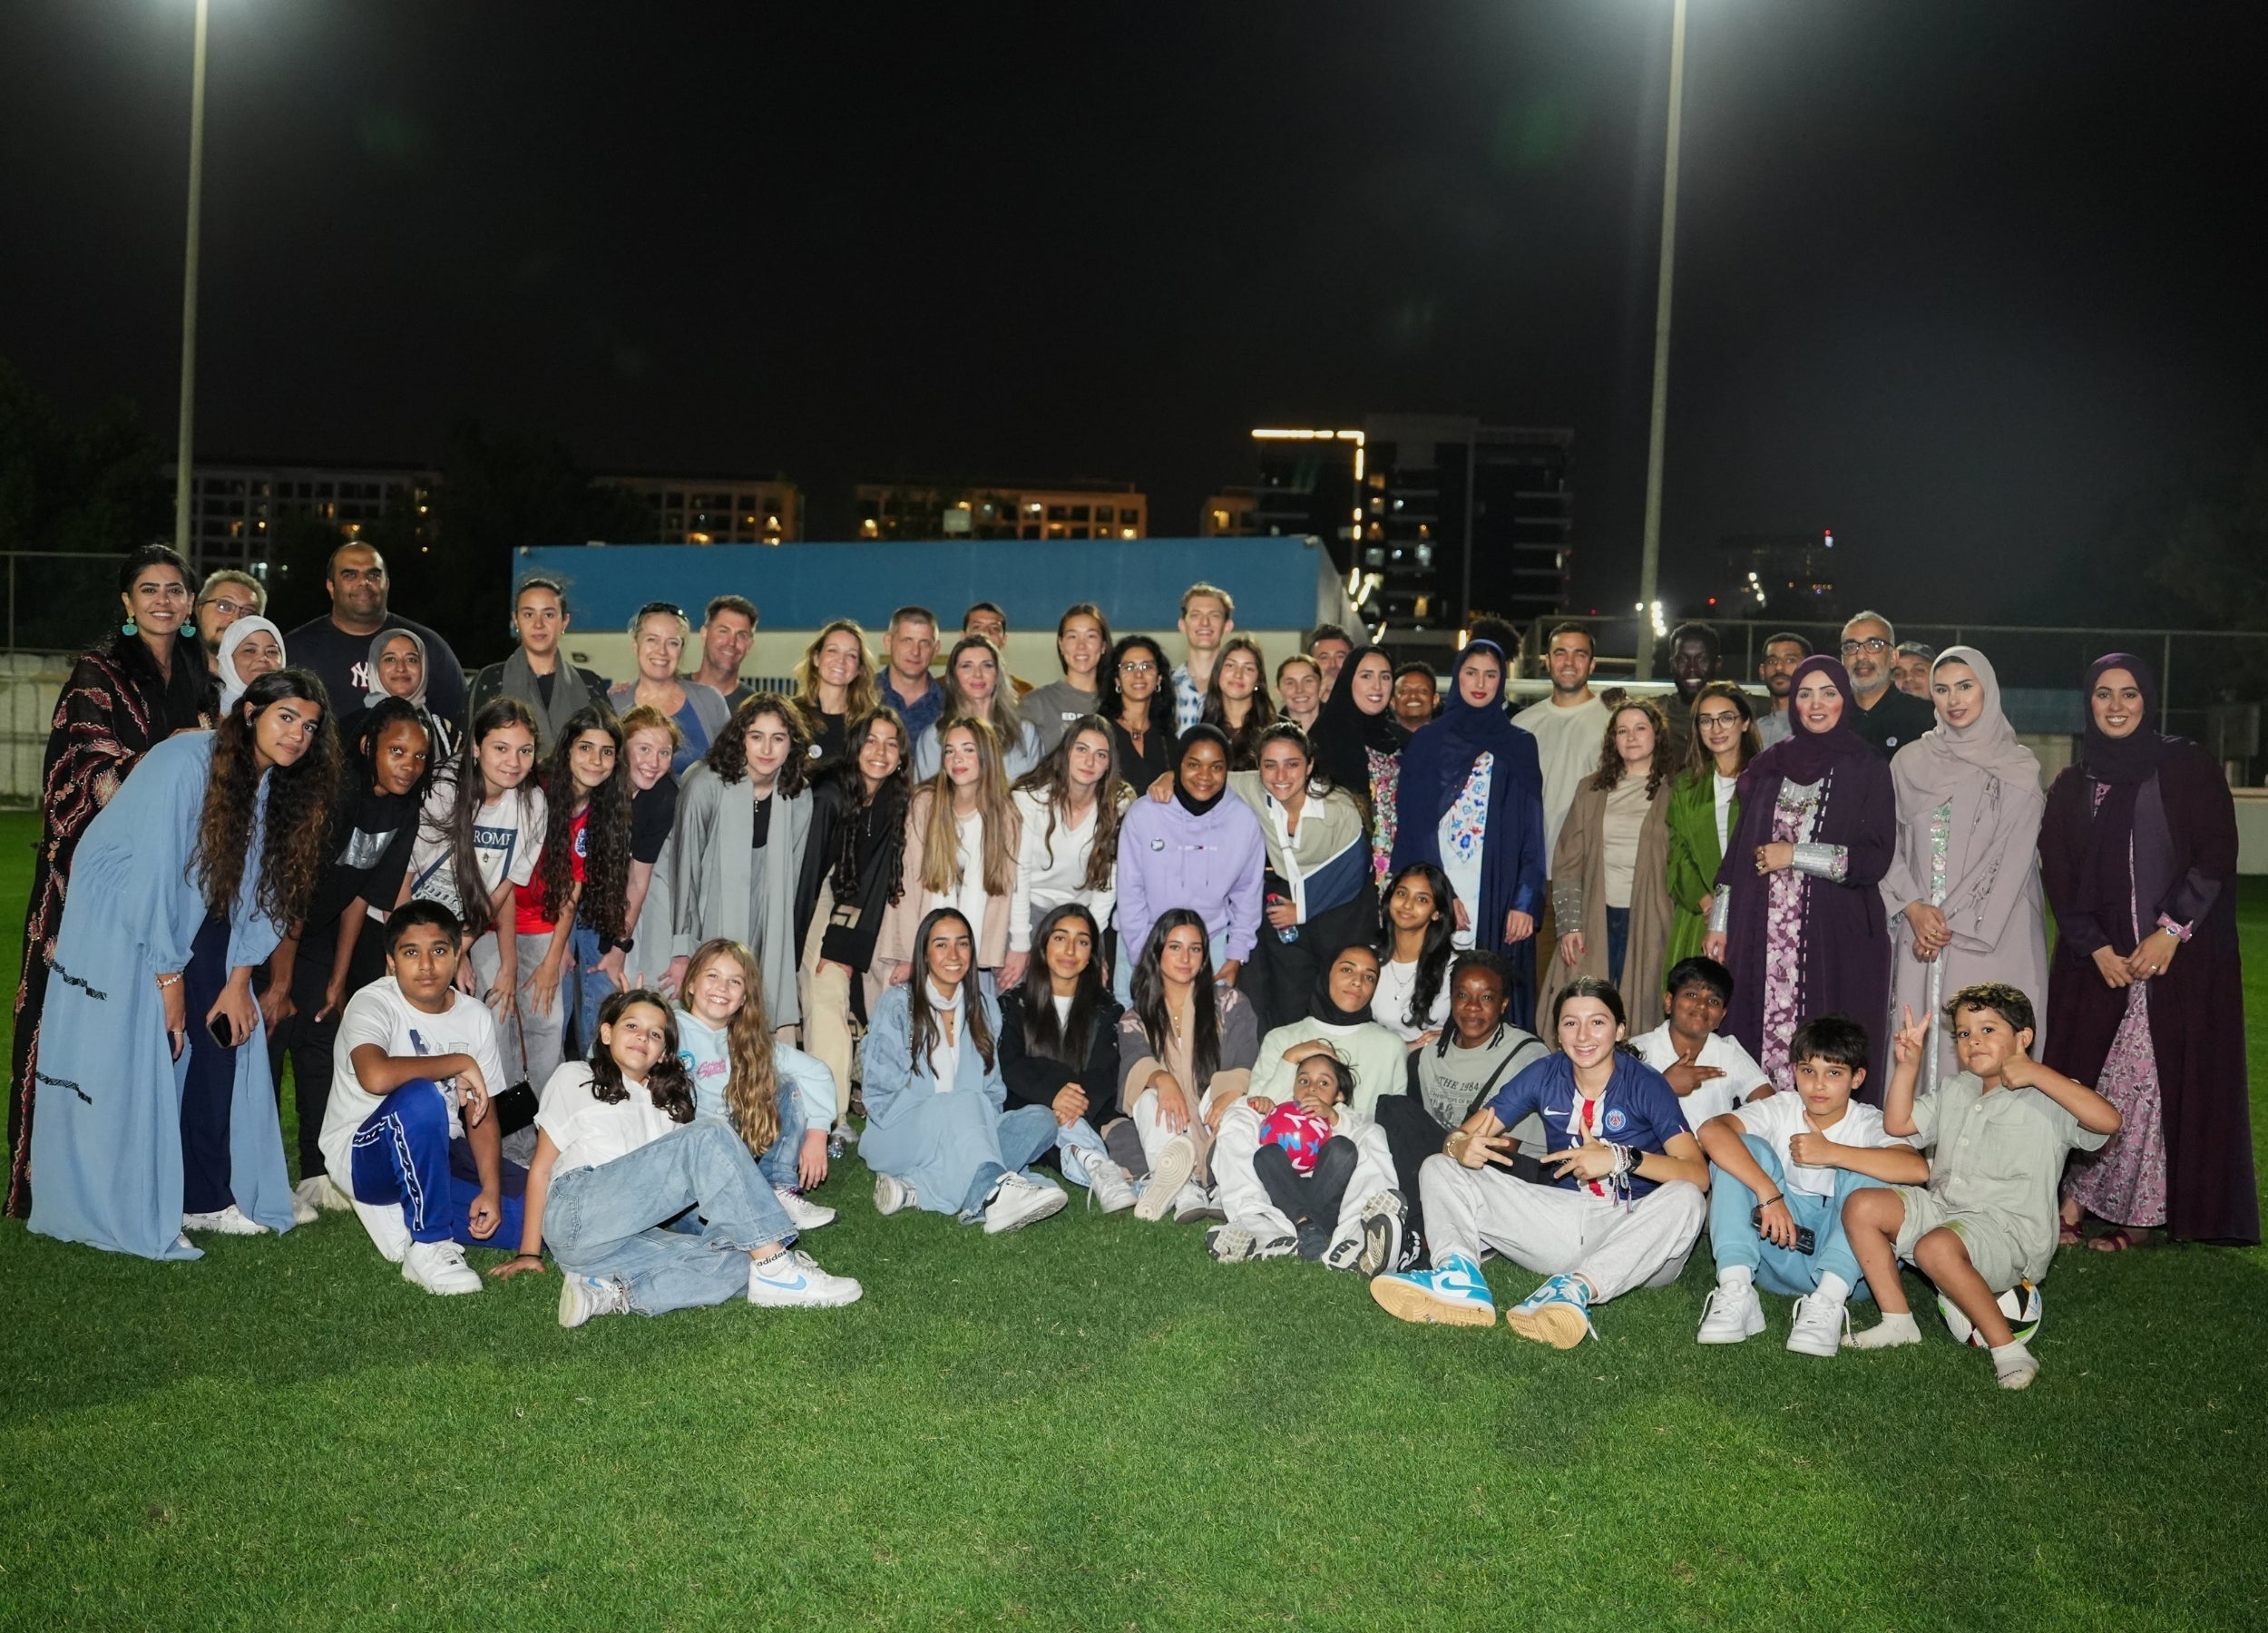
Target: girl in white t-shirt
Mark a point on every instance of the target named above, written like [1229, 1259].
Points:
[1417, 926]
[470, 854]
[620, 1154]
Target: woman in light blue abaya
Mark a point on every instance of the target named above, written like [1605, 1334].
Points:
[160, 1115]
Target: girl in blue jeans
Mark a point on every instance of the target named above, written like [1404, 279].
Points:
[618, 1154]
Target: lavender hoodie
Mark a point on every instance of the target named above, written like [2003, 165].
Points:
[1168, 858]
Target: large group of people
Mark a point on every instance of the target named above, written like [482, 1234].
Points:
[1341, 960]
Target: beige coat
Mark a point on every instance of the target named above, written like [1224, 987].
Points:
[1578, 901]
[895, 943]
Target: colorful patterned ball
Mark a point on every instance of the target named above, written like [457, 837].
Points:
[1301, 1133]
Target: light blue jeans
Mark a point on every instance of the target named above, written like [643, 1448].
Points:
[608, 1221]
[1024, 1133]
[1072, 1143]
[1783, 1270]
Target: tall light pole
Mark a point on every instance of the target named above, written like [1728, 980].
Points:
[183, 461]
[1650, 545]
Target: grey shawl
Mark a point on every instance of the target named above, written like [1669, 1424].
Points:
[568, 694]
[713, 892]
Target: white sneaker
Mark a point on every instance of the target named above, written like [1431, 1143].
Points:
[439, 1268]
[582, 1296]
[794, 1281]
[1235, 1245]
[1193, 1203]
[303, 1212]
[389, 1232]
[1820, 1324]
[892, 1195]
[229, 1222]
[1020, 1202]
[1107, 1183]
[801, 1214]
[1177, 1159]
[1731, 1314]
[321, 1191]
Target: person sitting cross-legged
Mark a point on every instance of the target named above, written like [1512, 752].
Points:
[1294, 1176]
[1628, 1199]
[407, 1128]
[1781, 1170]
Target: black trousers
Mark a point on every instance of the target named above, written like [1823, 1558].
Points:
[1310, 1201]
[208, 1095]
[1283, 973]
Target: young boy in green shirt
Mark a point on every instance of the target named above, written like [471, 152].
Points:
[1998, 1134]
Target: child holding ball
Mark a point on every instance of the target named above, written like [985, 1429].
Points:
[1293, 1173]
[1998, 1134]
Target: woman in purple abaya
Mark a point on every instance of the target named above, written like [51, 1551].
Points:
[1799, 915]
[2145, 999]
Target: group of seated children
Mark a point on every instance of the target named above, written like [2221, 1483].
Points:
[669, 1168]
[1811, 1194]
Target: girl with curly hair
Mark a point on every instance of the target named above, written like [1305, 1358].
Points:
[158, 1118]
[744, 823]
[778, 1099]
[567, 918]
[1609, 874]
[619, 1152]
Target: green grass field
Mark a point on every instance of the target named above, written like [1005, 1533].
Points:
[1090, 1425]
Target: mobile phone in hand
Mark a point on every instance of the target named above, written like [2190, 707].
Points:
[1806, 1241]
[222, 1033]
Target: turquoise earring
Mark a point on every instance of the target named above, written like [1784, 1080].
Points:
[129, 627]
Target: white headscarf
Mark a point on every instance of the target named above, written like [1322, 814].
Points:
[374, 688]
[232, 688]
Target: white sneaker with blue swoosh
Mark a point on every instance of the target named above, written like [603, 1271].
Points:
[1557, 1313]
[794, 1280]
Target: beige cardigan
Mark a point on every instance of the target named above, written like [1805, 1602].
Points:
[894, 943]
[1578, 901]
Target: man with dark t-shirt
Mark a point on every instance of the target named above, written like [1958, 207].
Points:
[1888, 717]
[337, 647]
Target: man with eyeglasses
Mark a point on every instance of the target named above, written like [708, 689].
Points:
[1888, 717]
[336, 646]
[227, 596]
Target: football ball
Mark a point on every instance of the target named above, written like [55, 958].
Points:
[2021, 1304]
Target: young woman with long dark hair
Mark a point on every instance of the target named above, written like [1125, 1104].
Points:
[1138, 702]
[618, 1154]
[1083, 640]
[570, 914]
[939, 1135]
[1237, 700]
[179, 888]
[853, 873]
[1316, 890]
[743, 823]
[1186, 1044]
[1609, 897]
[333, 951]
[1058, 1050]
[1704, 809]
[1416, 937]
[130, 692]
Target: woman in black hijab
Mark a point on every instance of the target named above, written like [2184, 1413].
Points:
[1359, 744]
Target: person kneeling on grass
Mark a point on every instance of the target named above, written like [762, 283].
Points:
[1998, 1134]
[1294, 1175]
[618, 1154]
[408, 1125]
[1622, 1212]
[937, 1136]
[1781, 1170]
[778, 1099]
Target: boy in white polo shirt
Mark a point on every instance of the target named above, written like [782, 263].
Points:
[407, 1128]
[1710, 1072]
[1783, 1164]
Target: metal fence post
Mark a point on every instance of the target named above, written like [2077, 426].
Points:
[2165, 681]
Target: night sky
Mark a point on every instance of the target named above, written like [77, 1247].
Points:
[1952, 277]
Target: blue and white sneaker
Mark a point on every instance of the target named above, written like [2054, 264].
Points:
[794, 1281]
[1557, 1313]
[1452, 1295]
[582, 1296]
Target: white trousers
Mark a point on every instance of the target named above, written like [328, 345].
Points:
[1152, 1130]
[1556, 1232]
[545, 1034]
[1246, 1200]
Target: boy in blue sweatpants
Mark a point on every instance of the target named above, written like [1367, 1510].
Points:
[1784, 1164]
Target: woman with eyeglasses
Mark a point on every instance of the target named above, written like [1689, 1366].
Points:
[658, 634]
[130, 692]
[1704, 809]
[1138, 702]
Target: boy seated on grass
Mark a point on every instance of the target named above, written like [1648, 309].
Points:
[1797, 1158]
[408, 1127]
[1999, 1133]
[1289, 1171]
[1710, 1072]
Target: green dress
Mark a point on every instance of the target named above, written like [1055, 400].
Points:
[1694, 857]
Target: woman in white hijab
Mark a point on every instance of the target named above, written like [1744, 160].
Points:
[1962, 892]
[249, 648]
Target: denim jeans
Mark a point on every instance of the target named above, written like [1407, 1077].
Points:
[1024, 1133]
[1072, 1143]
[778, 1163]
[1783, 1270]
[1618, 942]
[607, 1221]
[583, 989]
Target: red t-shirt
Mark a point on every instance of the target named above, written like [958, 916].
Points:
[527, 900]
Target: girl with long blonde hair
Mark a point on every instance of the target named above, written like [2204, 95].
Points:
[835, 685]
[778, 1099]
[962, 832]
